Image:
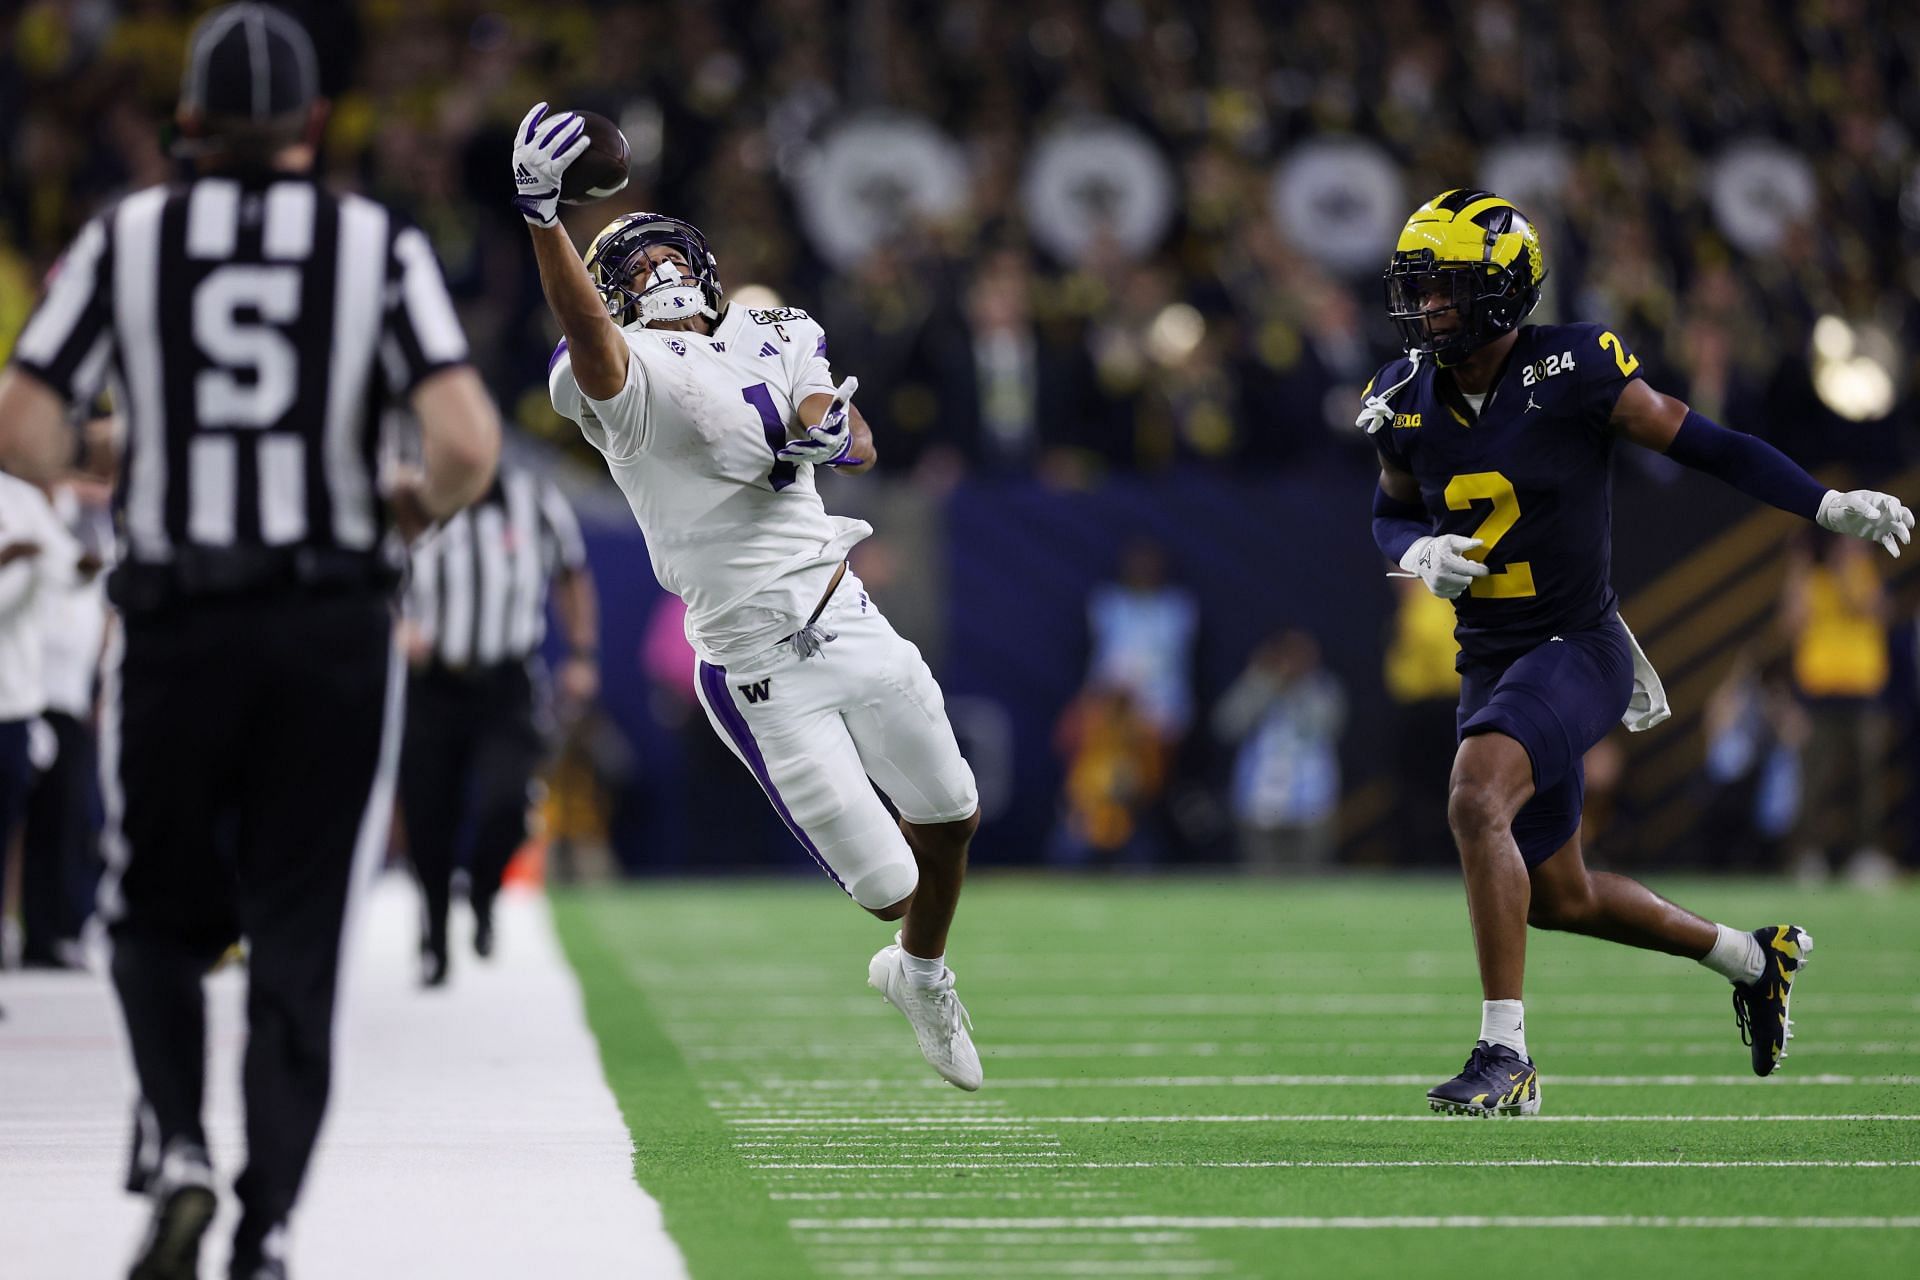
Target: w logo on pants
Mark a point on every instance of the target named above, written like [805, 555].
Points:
[762, 691]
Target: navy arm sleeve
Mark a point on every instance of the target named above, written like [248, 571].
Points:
[1746, 462]
[1397, 525]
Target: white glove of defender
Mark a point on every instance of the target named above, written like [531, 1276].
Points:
[1863, 513]
[1648, 705]
[542, 150]
[1439, 561]
[828, 441]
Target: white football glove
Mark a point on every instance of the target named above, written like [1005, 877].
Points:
[1438, 561]
[829, 441]
[1863, 513]
[1648, 705]
[542, 150]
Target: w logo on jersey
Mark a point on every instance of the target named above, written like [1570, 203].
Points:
[768, 349]
[760, 691]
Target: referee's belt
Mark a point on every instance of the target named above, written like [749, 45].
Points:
[206, 573]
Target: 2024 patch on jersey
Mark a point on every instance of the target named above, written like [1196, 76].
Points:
[1529, 474]
[690, 439]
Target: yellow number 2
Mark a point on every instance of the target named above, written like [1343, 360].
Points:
[1516, 579]
[1627, 362]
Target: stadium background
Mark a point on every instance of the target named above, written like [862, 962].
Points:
[1108, 275]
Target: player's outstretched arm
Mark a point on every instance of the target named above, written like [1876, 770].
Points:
[543, 147]
[1756, 468]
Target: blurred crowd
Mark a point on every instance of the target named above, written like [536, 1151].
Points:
[1195, 292]
[1796, 768]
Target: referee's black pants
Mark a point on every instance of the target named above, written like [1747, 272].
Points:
[471, 751]
[248, 758]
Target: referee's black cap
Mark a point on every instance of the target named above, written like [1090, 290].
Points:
[249, 62]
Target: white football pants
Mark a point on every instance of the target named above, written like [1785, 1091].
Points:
[814, 730]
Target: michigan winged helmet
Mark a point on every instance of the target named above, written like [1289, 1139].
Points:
[1467, 268]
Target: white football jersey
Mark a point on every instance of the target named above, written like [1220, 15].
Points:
[690, 440]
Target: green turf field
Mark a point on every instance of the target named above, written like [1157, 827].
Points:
[1225, 1078]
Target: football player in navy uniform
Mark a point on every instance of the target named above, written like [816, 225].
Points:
[1495, 441]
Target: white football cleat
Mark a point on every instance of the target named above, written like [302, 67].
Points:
[940, 1021]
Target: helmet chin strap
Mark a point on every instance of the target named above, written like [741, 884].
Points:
[671, 294]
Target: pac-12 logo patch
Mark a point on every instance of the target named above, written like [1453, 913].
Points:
[676, 346]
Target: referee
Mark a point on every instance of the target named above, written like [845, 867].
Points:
[476, 613]
[252, 325]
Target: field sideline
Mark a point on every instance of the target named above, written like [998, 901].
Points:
[1225, 1078]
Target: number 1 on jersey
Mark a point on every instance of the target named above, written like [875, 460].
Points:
[1490, 486]
[757, 395]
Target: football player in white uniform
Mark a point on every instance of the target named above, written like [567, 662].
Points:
[714, 421]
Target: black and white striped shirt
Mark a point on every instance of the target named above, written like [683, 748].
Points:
[479, 589]
[251, 328]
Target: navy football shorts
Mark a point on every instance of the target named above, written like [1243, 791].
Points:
[1556, 700]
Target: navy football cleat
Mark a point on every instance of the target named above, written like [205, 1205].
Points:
[1495, 1082]
[1760, 1006]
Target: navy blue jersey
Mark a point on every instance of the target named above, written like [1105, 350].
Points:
[1530, 475]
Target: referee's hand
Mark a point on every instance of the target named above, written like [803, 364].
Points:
[408, 507]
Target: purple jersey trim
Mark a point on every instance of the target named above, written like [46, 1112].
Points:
[558, 351]
[713, 683]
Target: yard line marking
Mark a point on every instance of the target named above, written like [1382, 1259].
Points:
[1347, 1223]
[1402, 1163]
[915, 1164]
[1356, 1004]
[812, 1145]
[1263, 1081]
[838, 1050]
[991, 1122]
[1373, 1164]
[934, 1242]
[944, 1195]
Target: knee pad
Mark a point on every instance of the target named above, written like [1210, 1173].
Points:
[885, 885]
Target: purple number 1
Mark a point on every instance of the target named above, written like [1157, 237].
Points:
[757, 395]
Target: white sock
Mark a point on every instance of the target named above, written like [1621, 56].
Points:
[1504, 1022]
[922, 972]
[1736, 956]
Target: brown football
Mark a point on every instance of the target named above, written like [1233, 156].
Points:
[601, 169]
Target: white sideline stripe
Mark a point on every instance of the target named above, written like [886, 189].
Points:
[458, 1119]
[1301, 1081]
[996, 1122]
[1379, 1164]
[1345, 1223]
